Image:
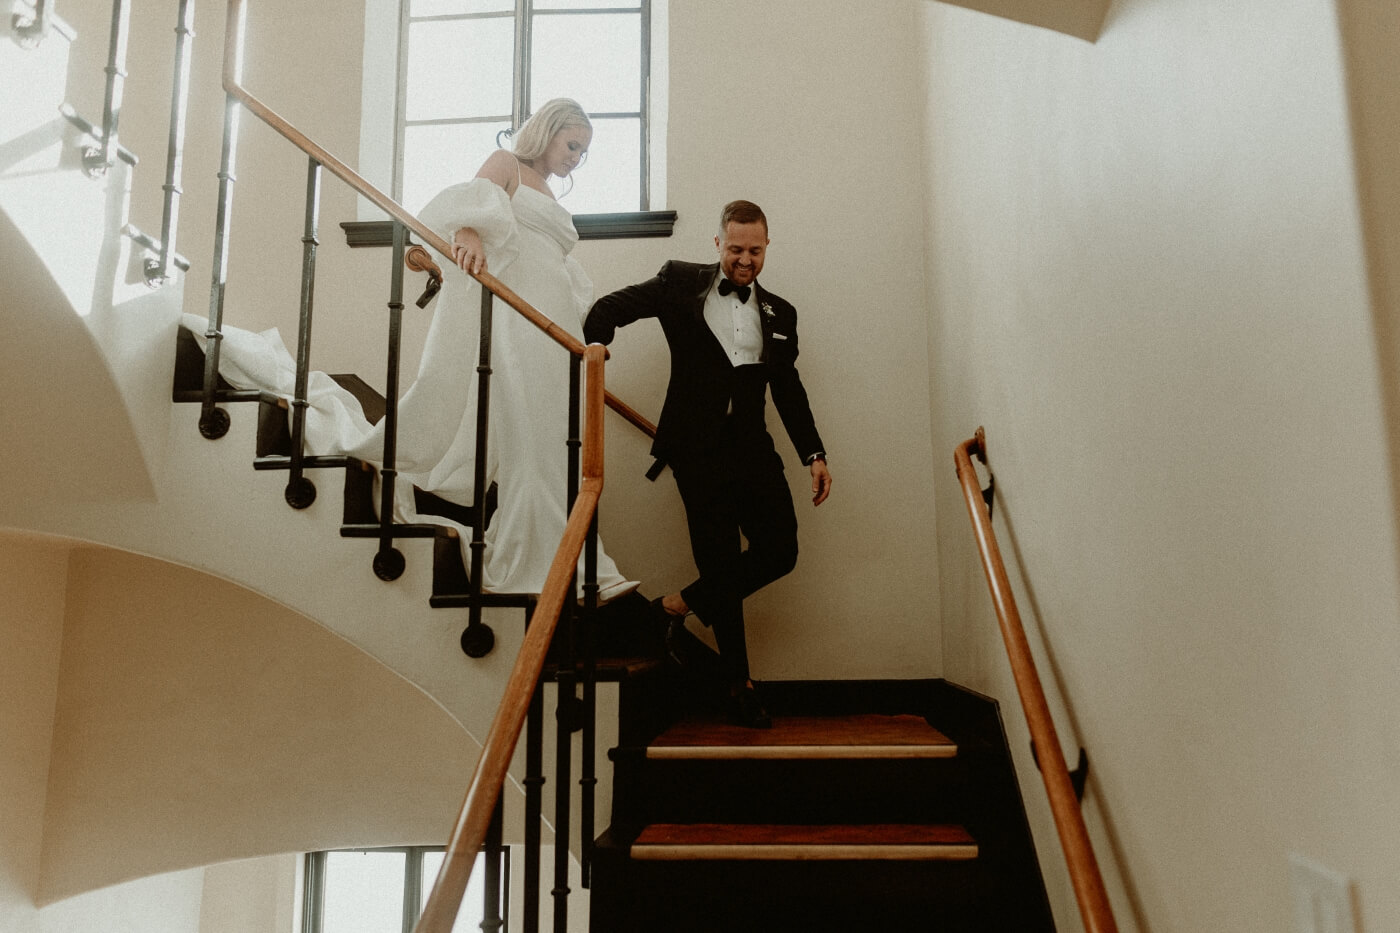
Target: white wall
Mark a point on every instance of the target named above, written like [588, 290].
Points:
[164, 903]
[1147, 281]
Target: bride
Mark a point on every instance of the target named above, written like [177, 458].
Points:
[506, 221]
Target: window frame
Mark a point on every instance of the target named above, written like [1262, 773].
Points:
[314, 884]
[524, 16]
[384, 95]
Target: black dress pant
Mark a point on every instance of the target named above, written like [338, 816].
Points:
[737, 490]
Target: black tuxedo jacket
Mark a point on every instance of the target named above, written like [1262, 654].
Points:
[705, 386]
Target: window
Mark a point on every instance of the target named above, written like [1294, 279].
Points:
[382, 890]
[469, 69]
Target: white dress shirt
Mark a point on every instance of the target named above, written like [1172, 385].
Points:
[735, 325]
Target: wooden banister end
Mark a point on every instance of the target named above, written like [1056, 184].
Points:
[420, 260]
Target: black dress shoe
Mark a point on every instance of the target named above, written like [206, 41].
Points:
[661, 614]
[745, 709]
[674, 641]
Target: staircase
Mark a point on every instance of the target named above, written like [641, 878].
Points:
[853, 812]
[881, 805]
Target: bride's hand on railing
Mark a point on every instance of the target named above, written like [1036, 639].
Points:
[467, 251]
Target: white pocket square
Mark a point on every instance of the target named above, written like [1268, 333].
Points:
[780, 336]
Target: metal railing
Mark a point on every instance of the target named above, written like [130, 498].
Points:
[1084, 871]
[105, 149]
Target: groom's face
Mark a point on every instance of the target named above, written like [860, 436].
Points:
[741, 251]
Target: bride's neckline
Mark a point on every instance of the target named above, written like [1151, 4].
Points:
[520, 180]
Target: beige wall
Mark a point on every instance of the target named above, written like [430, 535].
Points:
[31, 636]
[260, 895]
[196, 721]
[1147, 281]
[823, 113]
[1369, 28]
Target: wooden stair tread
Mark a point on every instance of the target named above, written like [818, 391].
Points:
[854, 736]
[757, 841]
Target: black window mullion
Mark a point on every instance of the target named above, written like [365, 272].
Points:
[412, 887]
[645, 135]
[313, 892]
[455, 121]
[454, 17]
[524, 10]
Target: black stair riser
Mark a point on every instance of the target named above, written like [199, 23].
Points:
[274, 433]
[789, 791]
[809, 896]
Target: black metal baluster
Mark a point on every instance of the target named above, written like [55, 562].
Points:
[300, 491]
[491, 919]
[97, 159]
[213, 421]
[412, 891]
[478, 639]
[534, 807]
[388, 561]
[566, 707]
[158, 270]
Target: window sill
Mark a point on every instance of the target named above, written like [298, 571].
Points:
[633, 225]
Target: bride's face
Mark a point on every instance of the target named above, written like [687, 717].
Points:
[565, 151]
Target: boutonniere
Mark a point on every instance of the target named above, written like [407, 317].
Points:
[767, 310]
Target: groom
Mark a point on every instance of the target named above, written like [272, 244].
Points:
[732, 342]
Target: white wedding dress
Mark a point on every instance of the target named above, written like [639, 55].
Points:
[528, 239]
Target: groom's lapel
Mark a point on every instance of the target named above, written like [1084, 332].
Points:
[705, 281]
[766, 318]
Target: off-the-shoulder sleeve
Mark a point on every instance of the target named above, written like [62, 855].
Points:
[482, 205]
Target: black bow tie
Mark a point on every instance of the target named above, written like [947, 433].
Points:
[726, 286]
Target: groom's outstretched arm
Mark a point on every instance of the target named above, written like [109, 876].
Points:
[624, 306]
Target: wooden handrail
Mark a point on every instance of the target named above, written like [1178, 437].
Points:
[440, 912]
[1064, 803]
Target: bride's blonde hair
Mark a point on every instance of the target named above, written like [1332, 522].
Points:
[533, 138]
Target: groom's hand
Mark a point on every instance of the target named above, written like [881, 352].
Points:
[821, 482]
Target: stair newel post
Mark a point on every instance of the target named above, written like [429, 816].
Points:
[214, 421]
[388, 561]
[300, 491]
[588, 782]
[97, 159]
[588, 778]
[494, 849]
[483, 422]
[534, 807]
[158, 270]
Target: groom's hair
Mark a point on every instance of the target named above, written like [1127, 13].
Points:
[741, 212]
